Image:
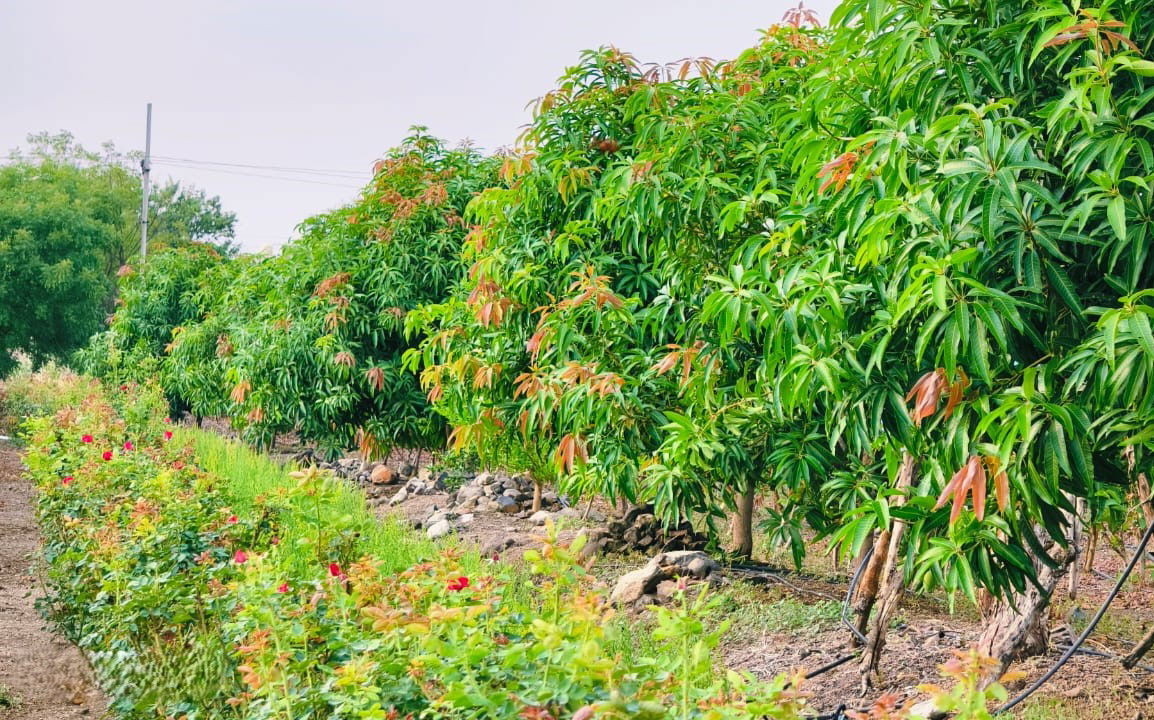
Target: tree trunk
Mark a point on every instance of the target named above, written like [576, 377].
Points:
[1139, 650]
[743, 522]
[1076, 543]
[1145, 501]
[867, 589]
[1016, 627]
[1091, 551]
[891, 582]
[536, 494]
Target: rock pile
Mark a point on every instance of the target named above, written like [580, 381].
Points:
[485, 493]
[640, 530]
[658, 580]
[493, 492]
[426, 482]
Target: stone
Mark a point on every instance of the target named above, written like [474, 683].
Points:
[512, 493]
[468, 492]
[408, 469]
[383, 475]
[465, 519]
[691, 564]
[570, 512]
[496, 546]
[439, 529]
[485, 478]
[400, 497]
[507, 504]
[666, 590]
[540, 517]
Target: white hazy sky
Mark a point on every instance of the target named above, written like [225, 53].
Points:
[326, 85]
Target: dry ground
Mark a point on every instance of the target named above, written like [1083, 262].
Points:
[42, 675]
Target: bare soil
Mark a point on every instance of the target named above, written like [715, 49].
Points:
[47, 676]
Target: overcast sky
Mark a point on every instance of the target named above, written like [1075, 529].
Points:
[324, 85]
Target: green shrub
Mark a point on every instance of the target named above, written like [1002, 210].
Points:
[205, 581]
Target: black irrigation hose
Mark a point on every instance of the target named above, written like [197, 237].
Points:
[1110, 656]
[831, 665]
[845, 619]
[849, 595]
[1089, 628]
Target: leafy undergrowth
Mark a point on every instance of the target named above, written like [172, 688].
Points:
[206, 582]
[7, 698]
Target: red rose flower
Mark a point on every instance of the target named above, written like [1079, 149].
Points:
[232, 520]
[128, 445]
[67, 480]
[283, 588]
[458, 584]
[240, 557]
[275, 540]
[335, 570]
[167, 434]
[86, 438]
[107, 455]
[178, 465]
[167, 420]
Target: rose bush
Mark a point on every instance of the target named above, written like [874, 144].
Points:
[221, 594]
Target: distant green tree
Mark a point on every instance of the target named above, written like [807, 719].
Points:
[180, 216]
[54, 241]
[69, 223]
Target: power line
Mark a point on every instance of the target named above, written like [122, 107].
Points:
[278, 168]
[248, 174]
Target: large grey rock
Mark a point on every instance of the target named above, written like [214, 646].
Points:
[540, 517]
[507, 504]
[691, 564]
[439, 529]
[400, 497]
[469, 492]
[496, 546]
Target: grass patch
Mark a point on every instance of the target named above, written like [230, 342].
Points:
[8, 699]
[250, 476]
[754, 612]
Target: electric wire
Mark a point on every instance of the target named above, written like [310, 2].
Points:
[169, 164]
[350, 174]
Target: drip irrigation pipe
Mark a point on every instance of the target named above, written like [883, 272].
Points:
[830, 666]
[1109, 656]
[1089, 628]
[849, 596]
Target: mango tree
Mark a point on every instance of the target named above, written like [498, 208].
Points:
[311, 340]
[953, 297]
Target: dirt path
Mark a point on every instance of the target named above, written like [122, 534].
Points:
[45, 675]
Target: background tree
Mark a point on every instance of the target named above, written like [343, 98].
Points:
[71, 224]
[312, 340]
[54, 237]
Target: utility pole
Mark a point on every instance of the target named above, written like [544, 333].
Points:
[145, 167]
